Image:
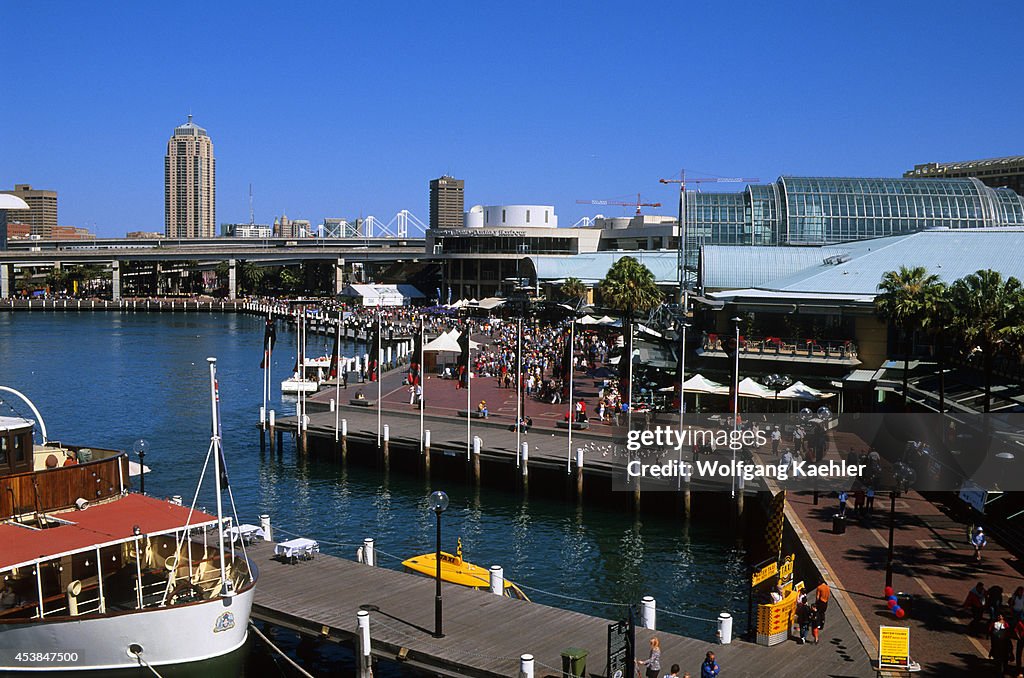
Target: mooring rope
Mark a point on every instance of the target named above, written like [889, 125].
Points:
[279, 651]
[138, 655]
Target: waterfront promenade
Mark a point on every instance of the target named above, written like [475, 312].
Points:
[485, 634]
[934, 564]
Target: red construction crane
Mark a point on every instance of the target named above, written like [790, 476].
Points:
[636, 204]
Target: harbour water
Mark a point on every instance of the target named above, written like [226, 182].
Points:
[108, 379]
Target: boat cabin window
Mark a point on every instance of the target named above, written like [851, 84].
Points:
[19, 448]
[15, 451]
[3, 451]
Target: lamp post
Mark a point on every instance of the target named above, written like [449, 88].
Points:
[438, 503]
[778, 382]
[903, 477]
[140, 447]
[735, 396]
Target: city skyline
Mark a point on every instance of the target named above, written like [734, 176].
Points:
[527, 104]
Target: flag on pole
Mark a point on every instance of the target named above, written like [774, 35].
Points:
[414, 360]
[464, 360]
[373, 369]
[336, 353]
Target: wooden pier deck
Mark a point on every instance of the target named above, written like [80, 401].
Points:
[485, 635]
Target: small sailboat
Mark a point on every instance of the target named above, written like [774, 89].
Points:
[455, 570]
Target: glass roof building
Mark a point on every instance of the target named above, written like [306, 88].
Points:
[829, 210]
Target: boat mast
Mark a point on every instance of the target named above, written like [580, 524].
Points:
[215, 440]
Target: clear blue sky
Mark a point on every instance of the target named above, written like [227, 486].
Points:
[351, 108]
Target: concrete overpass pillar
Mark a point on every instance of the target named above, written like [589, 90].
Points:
[115, 270]
[339, 277]
[232, 279]
[158, 270]
[6, 280]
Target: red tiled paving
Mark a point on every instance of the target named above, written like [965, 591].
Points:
[443, 398]
[934, 564]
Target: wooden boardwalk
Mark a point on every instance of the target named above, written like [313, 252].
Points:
[486, 634]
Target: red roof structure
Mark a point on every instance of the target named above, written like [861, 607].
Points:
[97, 525]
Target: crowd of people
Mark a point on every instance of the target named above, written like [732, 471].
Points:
[1001, 620]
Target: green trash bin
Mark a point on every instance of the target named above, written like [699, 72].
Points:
[574, 663]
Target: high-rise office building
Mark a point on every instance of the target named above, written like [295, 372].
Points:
[190, 184]
[41, 216]
[446, 202]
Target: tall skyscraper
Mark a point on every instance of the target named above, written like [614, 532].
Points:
[41, 216]
[447, 202]
[190, 184]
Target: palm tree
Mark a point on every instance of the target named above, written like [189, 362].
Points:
[907, 296]
[573, 289]
[629, 287]
[939, 311]
[989, 313]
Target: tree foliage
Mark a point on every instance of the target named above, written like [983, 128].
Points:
[629, 287]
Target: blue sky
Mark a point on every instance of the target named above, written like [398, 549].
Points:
[342, 109]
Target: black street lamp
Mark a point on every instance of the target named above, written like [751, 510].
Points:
[438, 503]
[778, 382]
[903, 477]
[141, 446]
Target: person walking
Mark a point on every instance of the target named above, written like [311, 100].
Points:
[674, 672]
[653, 661]
[776, 439]
[978, 541]
[803, 618]
[822, 595]
[710, 668]
[816, 620]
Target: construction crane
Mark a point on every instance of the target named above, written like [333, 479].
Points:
[682, 180]
[636, 204]
[685, 265]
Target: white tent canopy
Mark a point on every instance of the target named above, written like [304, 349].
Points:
[443, 342]
[608, 320]
[455, 334]
[801, 391]
[698, 384]
[589, 320]
[751, 389]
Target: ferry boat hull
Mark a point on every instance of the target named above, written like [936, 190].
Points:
[167, 635]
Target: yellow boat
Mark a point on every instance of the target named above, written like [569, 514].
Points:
[455, 570]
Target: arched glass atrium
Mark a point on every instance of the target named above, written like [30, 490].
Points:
[830, 210]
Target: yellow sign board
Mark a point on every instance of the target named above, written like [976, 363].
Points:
[766, 572]
[786, 571]
[893, 647]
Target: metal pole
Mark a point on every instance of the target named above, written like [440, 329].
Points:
[422, 382]
[469, 390]
[438, 633]
[682, 395]
[629, 372]
[337, 377]
[378, 344]
[892, 526]
[518, 367]
[572, 402]
[735, 402]
[215, 405]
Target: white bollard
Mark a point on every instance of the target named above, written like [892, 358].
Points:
[525, 454]
[263, 417]
[368, 555]
[526, 666]
[363, 626]
[426, 438]
[648, 613]
[579, 457]
[497, 580]
[268, 532]
[344, 428]
[477, 442]
[333, 405]
[387, 433]
[271, 418]
[725, 628]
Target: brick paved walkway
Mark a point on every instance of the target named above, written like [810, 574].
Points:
[935, 565]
